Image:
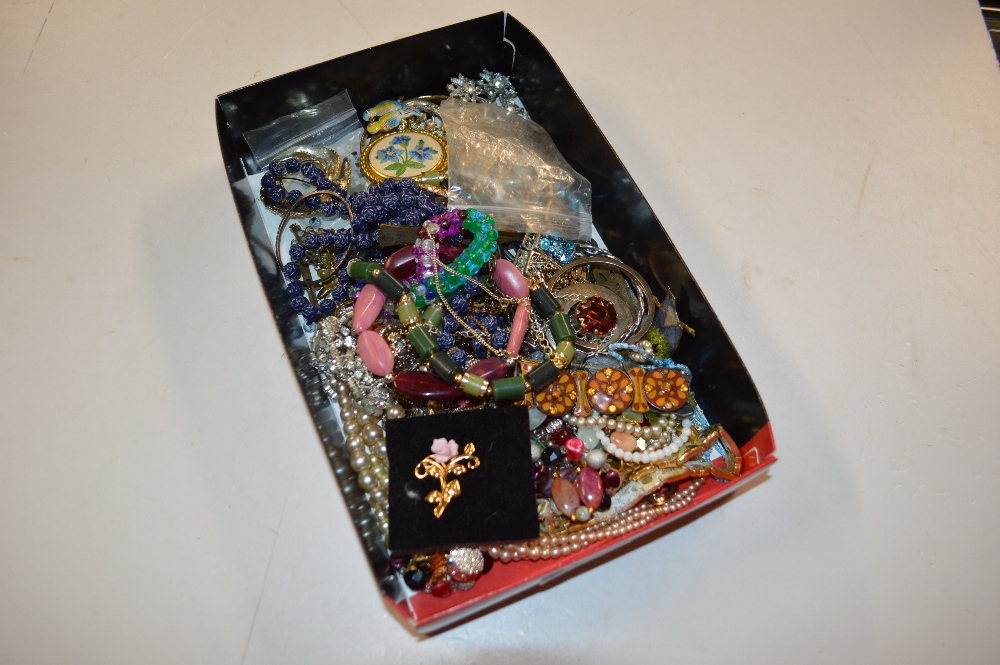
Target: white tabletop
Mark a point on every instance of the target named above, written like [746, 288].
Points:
[831, 174]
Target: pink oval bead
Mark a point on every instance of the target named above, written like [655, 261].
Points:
[565, 496]
[590, 487]
[574, 449]
[367, 308]
[509, 280]
[518, 327]
[624, 441]
[375, 353]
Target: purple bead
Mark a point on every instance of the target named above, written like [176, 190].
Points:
[291, 270]
[390, 202]
[293, 196]
[296, 252]
[268, 181]
[311, 241]
[292, 164]
[276, 168]
[327, 307]
[299, 304]
[407, 183]
[459, 356]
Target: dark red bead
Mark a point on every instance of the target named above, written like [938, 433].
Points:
[425, 385]
[490, 368]
[441, 588]
[402, 264]
[612, 480]
[561, 436]
[487, 564]
[448, 253]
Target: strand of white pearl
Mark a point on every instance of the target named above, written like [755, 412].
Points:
[653, 451]
[634, 518]
[365, 442]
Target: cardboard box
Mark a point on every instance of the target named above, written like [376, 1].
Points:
[624, 220]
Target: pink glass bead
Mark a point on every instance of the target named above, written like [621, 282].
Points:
[574, 449]
[375, 353]
[591, 487]
[367, 308]
[509, 280]
[624, 441]
[518, 327]
[565, 496]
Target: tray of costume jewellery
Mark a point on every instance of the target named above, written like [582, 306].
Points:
[509, 365]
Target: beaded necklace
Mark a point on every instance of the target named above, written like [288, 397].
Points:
[507, 389]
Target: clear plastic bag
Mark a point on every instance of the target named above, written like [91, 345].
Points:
[332, 124]
[507, 166]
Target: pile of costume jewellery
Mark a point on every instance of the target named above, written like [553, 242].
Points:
[416, 309]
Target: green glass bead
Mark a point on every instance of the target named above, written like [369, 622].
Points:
[444, 366]
[388, 284]
[433, 314]
[361, 270]
[422, 342]
[566, 348]
[473, 384]
[407, 310]
[544, 303]
[560, 327]
[542, 375]
[510, 389]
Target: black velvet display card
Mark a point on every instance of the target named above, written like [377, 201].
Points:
[497, 503]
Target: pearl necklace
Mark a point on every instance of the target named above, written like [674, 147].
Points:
[636, 517]
[655, 448]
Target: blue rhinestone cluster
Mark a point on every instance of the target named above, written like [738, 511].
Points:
[558, 248]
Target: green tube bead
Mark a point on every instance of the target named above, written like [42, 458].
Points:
[433, 315]
[473, 385]
[542, 375]
[407, 310]
[510, 389]
[566, 348]
[361, 270]
[560, 327]
[444, 366]
[544, 302]
[388, 284]
[422, 342]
